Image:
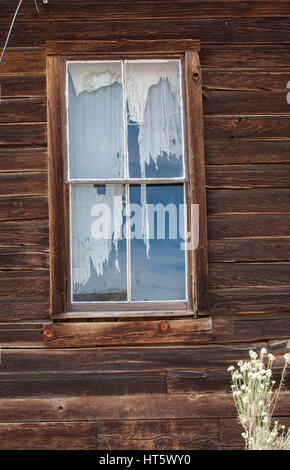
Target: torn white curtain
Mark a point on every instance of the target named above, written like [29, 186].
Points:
[86, 203]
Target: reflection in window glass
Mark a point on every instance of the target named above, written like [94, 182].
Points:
[95, 120]
[98, 249]
[158, 268]
[155, 142]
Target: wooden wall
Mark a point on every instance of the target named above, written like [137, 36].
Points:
[157, 397]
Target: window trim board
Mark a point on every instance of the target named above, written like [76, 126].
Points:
[59, 250]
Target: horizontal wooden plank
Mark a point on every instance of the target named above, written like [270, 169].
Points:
[248, 226]
[245, 102]
[81, 384]
[24, 284]
[246, 127]
[267, 57]
[24, 258]
[29, 232]
[23, 134]
[235, 151]
[195, 434]
[117, 359]
[23, 110]
[20, 335]
[207, 381]
[246, 201]
[120, 46]
[208, 31]
[138, 10]
[224, 275]
[128, 407]
[23, 184]
[249, 300]
[252, 328]
[23, 159]
[32, 62]
[268, 249]
[127, 333]
[24, 309]
[48, 436]
[28, 86]
[248, 176]
[23, 208]
[255, 81]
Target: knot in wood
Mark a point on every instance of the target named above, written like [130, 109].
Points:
[163, 443]
[47, 333]
[164, 326]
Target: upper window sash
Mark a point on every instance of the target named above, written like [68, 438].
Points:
[127, 114]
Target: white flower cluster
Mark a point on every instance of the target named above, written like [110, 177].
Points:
[255, 399]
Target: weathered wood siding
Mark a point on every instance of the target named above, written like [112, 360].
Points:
[157, 397]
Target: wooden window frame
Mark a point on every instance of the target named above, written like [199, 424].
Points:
[57, 54]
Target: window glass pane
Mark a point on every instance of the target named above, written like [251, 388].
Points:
[98, 248]
[158, 270]
[155, 142]
[95, 120]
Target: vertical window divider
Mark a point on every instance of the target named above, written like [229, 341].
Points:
[127, 187]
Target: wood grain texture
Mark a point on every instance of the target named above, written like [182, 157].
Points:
[243, 328]
[249, 300]
[122, 46]
[208, 31]
[23, 207]
[247, 201]
[251, 226]
[48, 436]
[23, 159]
[248, 176]
[23, 134]
[204, 381]
[81, 384]
[72, 11]
[16, 62]
[243, 102]
[24, 258]
[55, 91]
[125, 359]
[23, 110]
[24, 309]
[195, 434]
[20, 335]
[263, 249]
[252, 57]
[223, 275]
[235, 151]
[28, 232]
[232, 127]
[197, 179]
[255, 81]
[23, 85]
[23, 184]
[127, 333]
[23, 284]
[128, 407]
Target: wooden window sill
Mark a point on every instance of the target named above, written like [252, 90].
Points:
[128, 333]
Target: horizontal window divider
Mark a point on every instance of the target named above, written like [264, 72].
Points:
[128, 181]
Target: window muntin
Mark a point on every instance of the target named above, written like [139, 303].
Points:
[146, 148]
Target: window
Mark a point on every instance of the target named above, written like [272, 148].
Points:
[122, 179]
